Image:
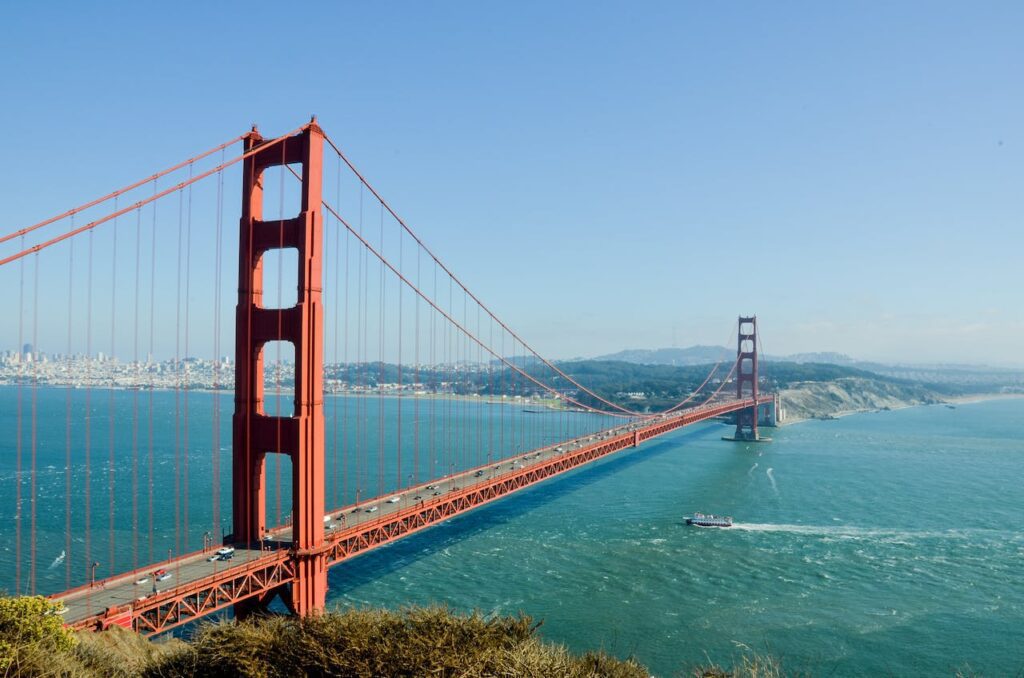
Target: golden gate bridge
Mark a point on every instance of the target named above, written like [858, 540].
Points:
[369, 331]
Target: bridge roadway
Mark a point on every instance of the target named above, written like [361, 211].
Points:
[199, 585]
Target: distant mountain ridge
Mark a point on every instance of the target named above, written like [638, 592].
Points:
[701, 355]
[980, 377]
[692, 355]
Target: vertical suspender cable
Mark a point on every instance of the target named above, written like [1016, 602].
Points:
[449, 359]
[111, 465]
[416, 380]
[35, 407]
[490, 395]
[22, 358]
[398, 426]
[177, 382]
[476, 390]
[360, 366]
[337, 362]
[88, 417]
[436, 388]
[67, 417]
[501, 374]
[218, 268]
[152, 380]
[136, 383]
[380, 378]
[186, 371]
[345, 431]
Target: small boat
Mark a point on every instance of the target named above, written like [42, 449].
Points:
[709, 520]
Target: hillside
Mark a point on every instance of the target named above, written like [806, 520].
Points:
[809, 389]
[365, 643]
[692, 355]
[824, 399]
[357, 643]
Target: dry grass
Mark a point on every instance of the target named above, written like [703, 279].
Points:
[372, 643]
[748, 666]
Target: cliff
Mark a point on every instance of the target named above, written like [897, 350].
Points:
[827, 399]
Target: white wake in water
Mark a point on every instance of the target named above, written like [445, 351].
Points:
[852, 532]
[771, 477]
[57, 561]
[751, 471]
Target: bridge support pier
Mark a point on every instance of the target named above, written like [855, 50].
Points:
[255, 433]
[747, 382]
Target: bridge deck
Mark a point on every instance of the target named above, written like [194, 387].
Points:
[198, 586]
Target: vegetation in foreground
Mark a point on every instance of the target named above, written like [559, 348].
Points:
[371, 643]
[359, 643]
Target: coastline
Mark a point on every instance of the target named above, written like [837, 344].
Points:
[971, 399]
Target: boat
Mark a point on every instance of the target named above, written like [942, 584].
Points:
[709, 520]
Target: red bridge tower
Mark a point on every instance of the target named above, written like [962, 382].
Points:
[747, 379]
[255, 433]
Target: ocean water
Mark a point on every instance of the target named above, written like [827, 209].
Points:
[98, 452]
[878, 544]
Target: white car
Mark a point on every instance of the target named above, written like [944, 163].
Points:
[370, 509]
[225, 550]
[395, 500]
[142, 580]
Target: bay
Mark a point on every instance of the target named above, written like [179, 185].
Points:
[887, 543]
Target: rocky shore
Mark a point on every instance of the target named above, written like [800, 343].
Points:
[831, 399]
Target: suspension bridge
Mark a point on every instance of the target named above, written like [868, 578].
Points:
[374, 394]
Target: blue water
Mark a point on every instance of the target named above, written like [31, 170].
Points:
[374, 445]
[878, 544]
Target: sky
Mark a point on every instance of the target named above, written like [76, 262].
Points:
[603, 175]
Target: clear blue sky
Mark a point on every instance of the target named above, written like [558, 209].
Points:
[604, 175]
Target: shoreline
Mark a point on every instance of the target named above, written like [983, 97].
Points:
[955, 400]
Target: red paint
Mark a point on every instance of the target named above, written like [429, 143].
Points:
[746, 381]
[255, 433]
